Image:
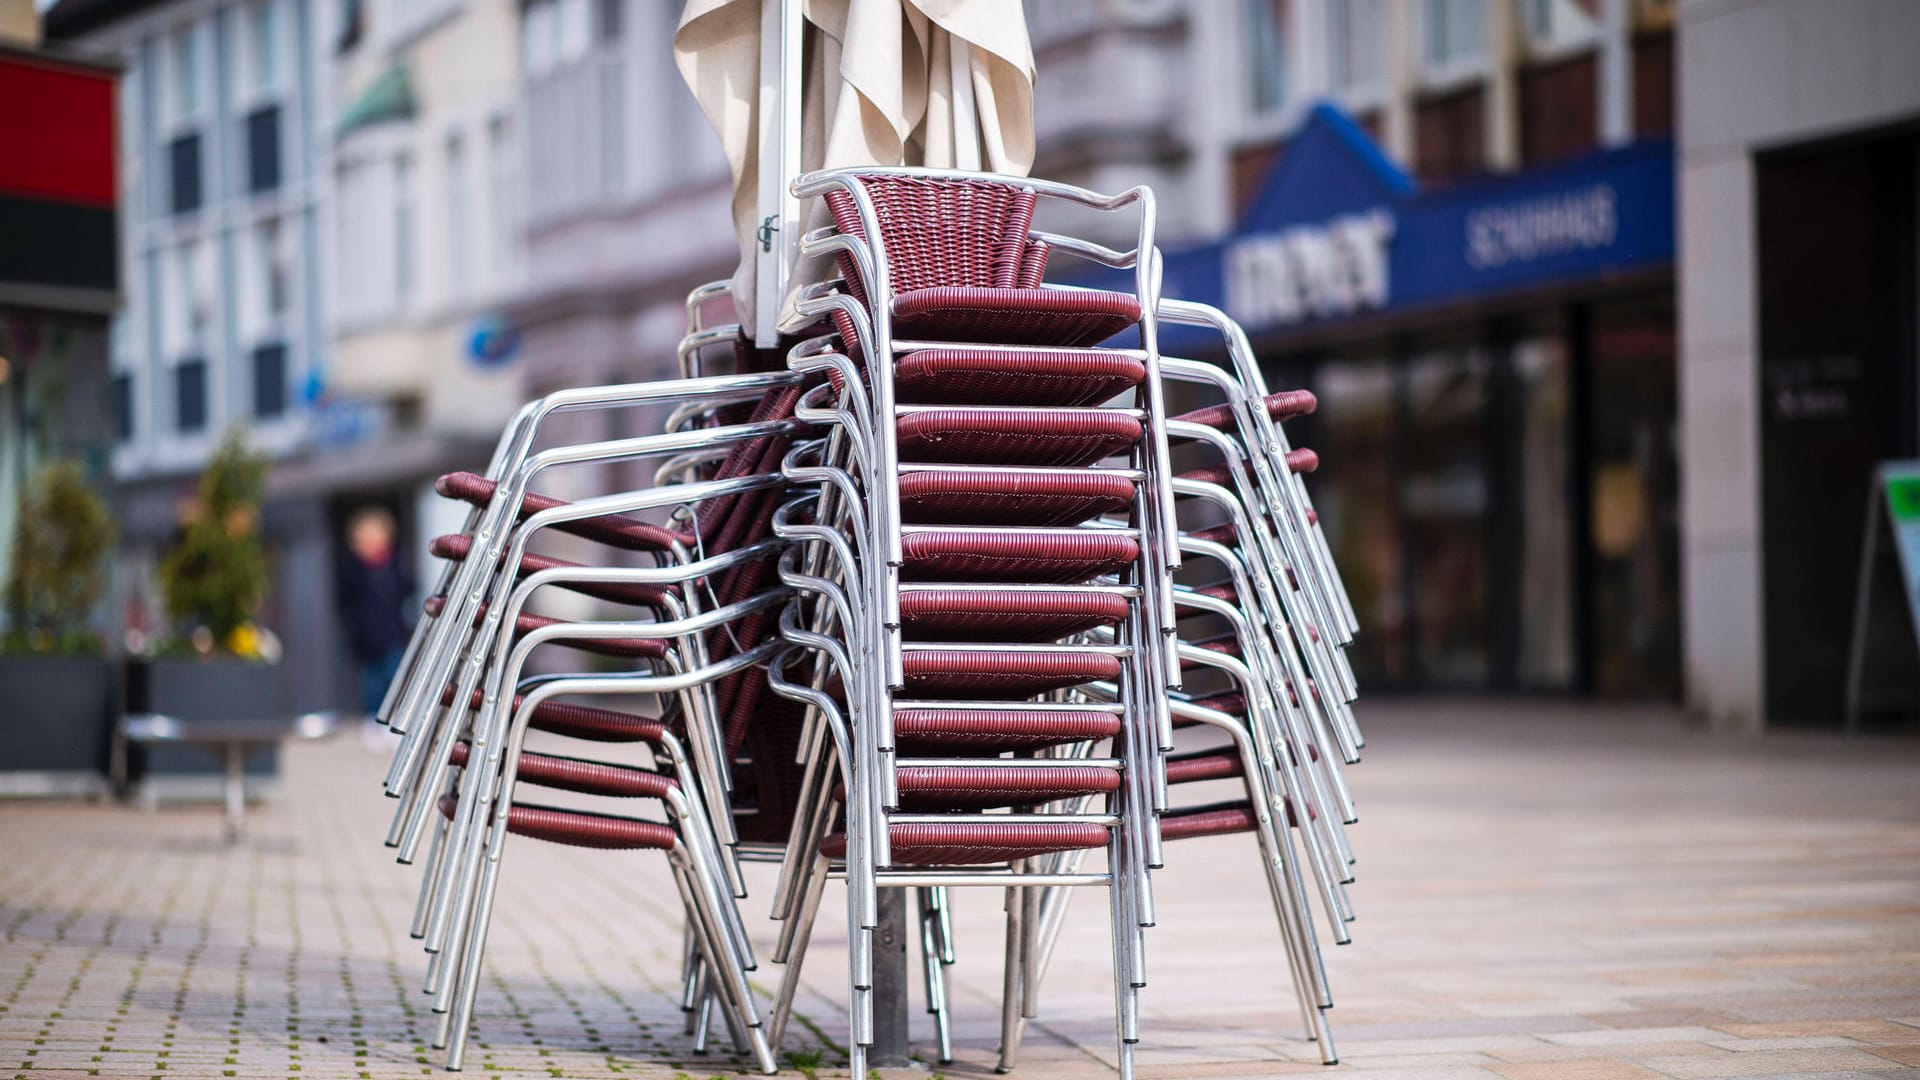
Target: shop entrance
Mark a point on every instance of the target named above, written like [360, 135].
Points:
[1836, 234]
[1502, 502]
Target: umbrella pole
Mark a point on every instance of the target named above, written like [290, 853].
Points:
[781, 93]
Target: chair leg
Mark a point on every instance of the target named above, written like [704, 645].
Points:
[475, 951]
[726, 980]
[703, 1021]
[936, 972]
[689, 972]
[1121, 920]
[418, 928]
[1011, 976]
[812, 890]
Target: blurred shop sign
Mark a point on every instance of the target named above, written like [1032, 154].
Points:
[336, 421]
[1310, 270]
[1883, 666]
[493, 340]
[59, 244]
[1338, 231]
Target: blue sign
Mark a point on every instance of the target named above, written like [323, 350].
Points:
[492, 341]
[1338, 231]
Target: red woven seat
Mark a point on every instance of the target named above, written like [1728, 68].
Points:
[617, 530]
[1203, 765]
[1063, 439]
[937, 788]
[578, 828]
[1185, 824]
[961, 376]
[1299, 460]
[585, 777]
[994, 731]
[1040, 558]
[456, 546]
[579, 721]
[1217, 819]
[937, 673]
[523, 624]
[961, 614]
[1283, 405]
[952, 497]
[976, 843]
[1224, 533]
[1058, 317]
[1231, 701]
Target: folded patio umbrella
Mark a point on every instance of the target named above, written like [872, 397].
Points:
[879, 88]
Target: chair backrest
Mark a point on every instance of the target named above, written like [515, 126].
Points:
[940, 232]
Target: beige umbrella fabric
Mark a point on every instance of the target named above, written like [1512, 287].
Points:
[878, 88]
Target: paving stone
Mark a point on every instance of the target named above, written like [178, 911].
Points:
[1574, 1070]
[1765, 1063]
[1545, 891]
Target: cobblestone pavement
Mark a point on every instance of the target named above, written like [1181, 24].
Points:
[1545, 892]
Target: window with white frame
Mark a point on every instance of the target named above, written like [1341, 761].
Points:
[364, 265]
[1356, 43]
[1049, 21]
[262, 50]
[261, 89]
[187, 304]
[120, 351]
[1265, 29]
[554, 34]
[264, 315]
[404, 269]
[1453, 38]
[503, 203]
[459, 222]
[1561, 24]
[181, 96]
[183, 103]
[266, 288]
[186, 324]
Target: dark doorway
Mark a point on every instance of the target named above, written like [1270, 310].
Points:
[1837, 390]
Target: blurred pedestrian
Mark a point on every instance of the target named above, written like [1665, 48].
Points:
[375, 590]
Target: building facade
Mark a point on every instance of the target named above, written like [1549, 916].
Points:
[627, 193]
[426, 247]
[1799, 134]
[1453, 221]
[59, 267]
[221, 197]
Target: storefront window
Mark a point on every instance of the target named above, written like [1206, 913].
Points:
[1443, 498]
[1358, 508]
[1544, 654]
[1634, 495]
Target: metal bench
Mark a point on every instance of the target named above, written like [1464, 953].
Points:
[230, 738]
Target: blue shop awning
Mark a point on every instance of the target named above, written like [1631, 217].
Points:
[1339, 233]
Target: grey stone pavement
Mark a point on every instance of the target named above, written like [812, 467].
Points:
[1546, 891]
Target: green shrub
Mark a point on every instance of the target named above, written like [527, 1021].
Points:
[215, 576]
[60, 546]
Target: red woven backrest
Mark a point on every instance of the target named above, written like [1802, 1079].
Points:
[970, 233]
[1033, 265]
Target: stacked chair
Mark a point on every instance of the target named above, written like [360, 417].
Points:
[918, 600]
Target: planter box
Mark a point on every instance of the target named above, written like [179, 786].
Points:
[55, 727]
[189, 688]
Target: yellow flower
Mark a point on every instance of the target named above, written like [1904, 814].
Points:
[244, 641]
